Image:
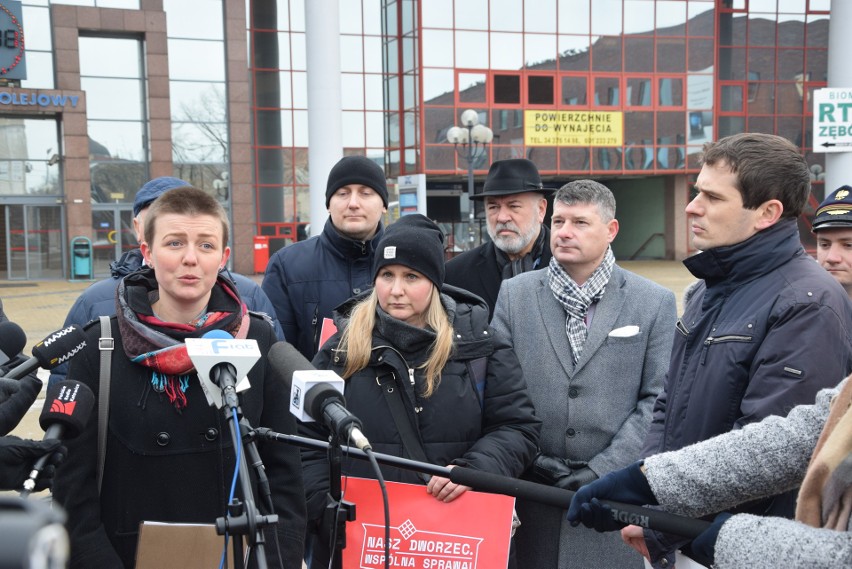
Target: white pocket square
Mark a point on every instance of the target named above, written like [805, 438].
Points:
[625, 331]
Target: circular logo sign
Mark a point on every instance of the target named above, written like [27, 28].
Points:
[11, 40]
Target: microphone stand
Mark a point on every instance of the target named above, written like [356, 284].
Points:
[243, 517]
[485, 481]
[337, 511]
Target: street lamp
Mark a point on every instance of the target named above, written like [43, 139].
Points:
[467, 140]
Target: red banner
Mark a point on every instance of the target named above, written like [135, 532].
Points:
[470, 532]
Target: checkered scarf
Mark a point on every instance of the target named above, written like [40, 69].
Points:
[576, 299]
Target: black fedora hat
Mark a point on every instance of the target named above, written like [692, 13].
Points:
[835, 210]
[512, 176]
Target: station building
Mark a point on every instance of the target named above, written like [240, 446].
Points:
[116, 92]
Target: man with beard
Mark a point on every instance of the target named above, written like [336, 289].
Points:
[515, 204]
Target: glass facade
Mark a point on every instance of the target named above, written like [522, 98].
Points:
[373, 110]
[584, 88]
[198, 93]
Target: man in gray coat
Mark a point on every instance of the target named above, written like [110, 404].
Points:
[594, 341]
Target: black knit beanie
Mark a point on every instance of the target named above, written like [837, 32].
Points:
[356, 170]
[416, 242]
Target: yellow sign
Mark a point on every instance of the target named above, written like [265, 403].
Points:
[573, 128]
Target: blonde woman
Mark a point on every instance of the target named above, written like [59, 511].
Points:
[461, 386]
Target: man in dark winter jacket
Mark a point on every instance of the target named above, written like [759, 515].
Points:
[765, 329]
[307, 280]
[515, 205]
[99, 299]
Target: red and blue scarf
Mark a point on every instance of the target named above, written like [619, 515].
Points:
[158, 345]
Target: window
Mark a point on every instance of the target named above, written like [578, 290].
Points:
[639, 92]
[670, 92]
[574, 90]
[607, 92]
[507, 89]
[540, 89]
[731, 98]
[753, 85]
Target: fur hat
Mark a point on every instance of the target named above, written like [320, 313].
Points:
[416, 242]
[835, 210]
[154, 189]
[356, 170]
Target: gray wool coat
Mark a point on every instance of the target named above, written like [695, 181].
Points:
[597, 411]
[759, 460]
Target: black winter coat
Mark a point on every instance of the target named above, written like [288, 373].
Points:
[498, 433]
[307, 280]
[162, 465]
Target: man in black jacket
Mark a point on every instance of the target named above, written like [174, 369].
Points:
[765, 329]
[307, 280]
[515, 205]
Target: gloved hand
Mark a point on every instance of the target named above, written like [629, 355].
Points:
[8, 387]
[555, 471]
[548, 469]
[705, 544]
[627, 485]
[16, 396]
[17, 457]
[579, 478]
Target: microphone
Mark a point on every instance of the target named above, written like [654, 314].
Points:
[316, 395]
[220, 377]
[66, 411]
[14, 340]
[54, 350]
[16, 396]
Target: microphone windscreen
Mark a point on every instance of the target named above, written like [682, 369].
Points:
[68, 403]
[284, 359]
[217, 335]
[319, 396]
[12, 339]
[59, 347]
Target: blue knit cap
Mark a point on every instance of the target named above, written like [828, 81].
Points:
[154, 189]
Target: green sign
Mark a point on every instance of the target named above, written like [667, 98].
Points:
[833, 120]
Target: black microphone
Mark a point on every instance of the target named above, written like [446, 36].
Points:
[12, 341]
[313, 395]
[16, 396]
[66, 411]
[224, 374]
[54, 350]
[221, 361]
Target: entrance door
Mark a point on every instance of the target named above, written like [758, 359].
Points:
[33, 246]
[112, 226]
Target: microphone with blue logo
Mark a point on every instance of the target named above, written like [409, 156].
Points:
[222, 363]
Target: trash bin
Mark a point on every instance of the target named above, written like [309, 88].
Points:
[261, 253]
[81, 259]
